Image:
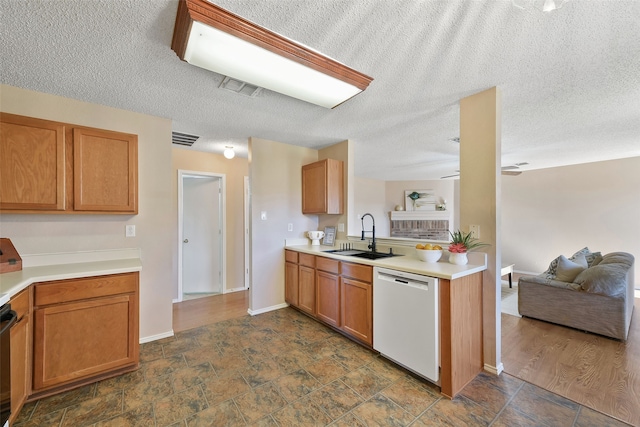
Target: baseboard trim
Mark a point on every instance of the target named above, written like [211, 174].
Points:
[267, 309]
[156, 337]
[228, 291]
[493, 369]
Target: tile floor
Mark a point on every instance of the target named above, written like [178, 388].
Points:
[284, 369]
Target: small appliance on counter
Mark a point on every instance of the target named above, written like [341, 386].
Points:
[315, 236]
[9, 258]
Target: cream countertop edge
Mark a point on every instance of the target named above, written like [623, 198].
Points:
[77, 265]
[407, 262]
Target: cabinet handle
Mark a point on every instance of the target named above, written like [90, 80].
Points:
[186, 240]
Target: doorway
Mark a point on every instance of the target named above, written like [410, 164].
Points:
[201, 235]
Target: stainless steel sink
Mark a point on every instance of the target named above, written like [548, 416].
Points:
[361, 254]
[346, 252]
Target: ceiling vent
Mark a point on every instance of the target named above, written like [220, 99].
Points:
[238, 86]
[180, 138]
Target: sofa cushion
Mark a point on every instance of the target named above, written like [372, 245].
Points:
[609, 277]
[593, 258]
[567, 270]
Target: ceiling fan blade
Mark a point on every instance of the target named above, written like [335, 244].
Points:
[511, 173]
[450, 176]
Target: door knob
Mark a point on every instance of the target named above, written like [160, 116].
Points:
[186, 240]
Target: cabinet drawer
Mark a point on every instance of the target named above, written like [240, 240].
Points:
[307, 260]
[20, 303]
[327, 264]
[85, 288]
[358, 271]
[291, 256]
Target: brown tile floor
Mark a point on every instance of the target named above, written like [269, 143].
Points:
[284, 369]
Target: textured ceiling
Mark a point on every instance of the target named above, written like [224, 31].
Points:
[570, 79]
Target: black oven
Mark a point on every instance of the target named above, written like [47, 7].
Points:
[8, 318]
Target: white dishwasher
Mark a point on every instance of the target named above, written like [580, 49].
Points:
[405, 320]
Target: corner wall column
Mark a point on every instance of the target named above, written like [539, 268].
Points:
[480, 188]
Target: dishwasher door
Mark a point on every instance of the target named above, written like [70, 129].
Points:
[405, 320]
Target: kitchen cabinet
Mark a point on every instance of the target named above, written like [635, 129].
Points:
[328, 291]
[357, 301]
[307, 283]
[20, 352]
[104, 171]
[32, 164]
[339, 294]
[84, 329]
[323, 187]
[461, 357]
[51, 167]
[291, 278]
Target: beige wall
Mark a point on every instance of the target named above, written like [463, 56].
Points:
[155, 224]
[276, 189]
[555, 211]
[340, 151]
[234, 170]
[480, 203]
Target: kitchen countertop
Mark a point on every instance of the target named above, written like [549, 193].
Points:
[45, 268]
[408, 262]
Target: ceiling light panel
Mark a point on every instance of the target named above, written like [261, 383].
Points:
[210, 37]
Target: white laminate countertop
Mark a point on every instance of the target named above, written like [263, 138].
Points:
[68, 266]
[408, 262]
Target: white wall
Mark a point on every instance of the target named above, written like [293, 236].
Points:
[370, 198]
[156, 230]
[555, 211]
[276, 188]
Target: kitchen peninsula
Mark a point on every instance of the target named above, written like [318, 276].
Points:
[337, 290]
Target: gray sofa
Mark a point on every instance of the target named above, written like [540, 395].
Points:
[599, 299]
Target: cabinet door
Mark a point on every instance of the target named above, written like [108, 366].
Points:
[105, 171]
[307, 289]
[323, 187]
[328, 298]
[32, 164]
[291, 283]
[19, 365]
[357, 309]
[77, 340]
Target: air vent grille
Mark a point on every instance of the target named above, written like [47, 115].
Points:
[238, 86]
[183, 138]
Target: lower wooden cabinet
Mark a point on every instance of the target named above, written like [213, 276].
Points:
[328, 298]
[20, 353]
[84, 329]
[291, 283]
[339, 294]
[357, 309]
[307, 289]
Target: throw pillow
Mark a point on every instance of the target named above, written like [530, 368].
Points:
[593, 258]
[551, 271]
[568, 270]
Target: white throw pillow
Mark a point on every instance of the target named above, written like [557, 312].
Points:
[569, 270]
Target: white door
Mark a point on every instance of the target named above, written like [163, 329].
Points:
[201, 235]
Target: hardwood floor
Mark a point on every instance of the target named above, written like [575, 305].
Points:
[595, 371]
[203, 311]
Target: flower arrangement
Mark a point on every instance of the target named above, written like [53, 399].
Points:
[462, 243]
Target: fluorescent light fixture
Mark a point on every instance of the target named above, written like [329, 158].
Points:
[229, 153]
[212, 38]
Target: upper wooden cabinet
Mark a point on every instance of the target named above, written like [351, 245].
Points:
[105, 171]
[323, 187]
[32, 164]
[51, 167]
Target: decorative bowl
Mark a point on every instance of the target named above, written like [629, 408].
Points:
[429, 255]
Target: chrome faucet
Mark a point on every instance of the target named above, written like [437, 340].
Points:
[372, 246]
